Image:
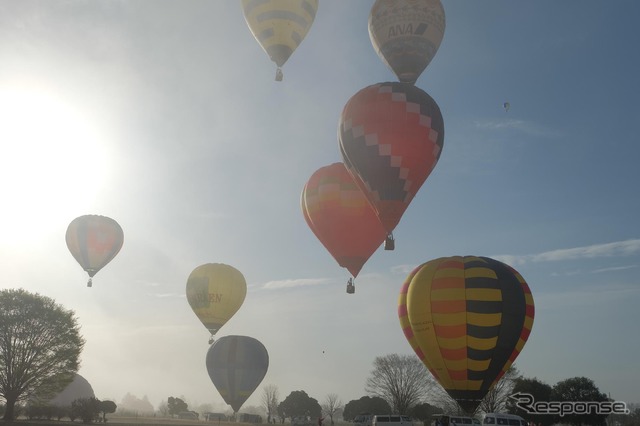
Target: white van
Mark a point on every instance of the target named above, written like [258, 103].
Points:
[504, 419]
[390, 420]
[363, 419]
[456, 421]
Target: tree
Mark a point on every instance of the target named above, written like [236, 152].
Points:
[135, 405]
[496, 399]
[107, 407]
[424, 412]
[163, 409]
[332, 405]
[88, 409]
[579, 389]
[631, 419]
[176, 406]
[270, 400]
[40, 346]
[298, 403]
[540, 392]
[365, 405]
[402, 380]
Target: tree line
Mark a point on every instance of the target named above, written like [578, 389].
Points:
[40, 346]
[400, 384]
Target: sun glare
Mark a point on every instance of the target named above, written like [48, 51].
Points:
[52, 164]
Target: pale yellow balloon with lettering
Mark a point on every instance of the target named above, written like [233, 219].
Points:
[215, 292]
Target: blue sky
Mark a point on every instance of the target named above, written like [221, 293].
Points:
[164, 116]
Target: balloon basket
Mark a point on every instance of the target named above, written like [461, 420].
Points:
[351, 288]
[389, 243]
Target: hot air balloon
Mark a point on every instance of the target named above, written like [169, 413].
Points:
[506, 106]
[279, 26]
[236, 366]
[215, 292]
[94, 241]
[467, 318]
[342, 219]
[406, 34]
[391, 136]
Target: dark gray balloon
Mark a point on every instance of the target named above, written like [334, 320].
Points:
[236, 366]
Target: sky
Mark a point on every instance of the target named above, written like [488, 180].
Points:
[165, 116]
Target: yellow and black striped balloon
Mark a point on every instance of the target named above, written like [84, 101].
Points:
[467, 318]
[279, 25]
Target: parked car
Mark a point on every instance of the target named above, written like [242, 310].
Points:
[390, 420]
[363, 419]
[504, 419]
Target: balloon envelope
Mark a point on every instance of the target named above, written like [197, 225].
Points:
[391, 136]
[94, 241]
[467, 318]
[215, 292]
[236, 366]
[340, 216]
[279, 26]
[406, 34]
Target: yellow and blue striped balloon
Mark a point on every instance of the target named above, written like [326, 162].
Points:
[467, 318]
[279, 25]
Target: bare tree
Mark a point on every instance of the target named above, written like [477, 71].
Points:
[496, 399]
[332, 404]
[270, 401]
[402, 380]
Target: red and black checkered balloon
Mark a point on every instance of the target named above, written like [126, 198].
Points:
[391, 136]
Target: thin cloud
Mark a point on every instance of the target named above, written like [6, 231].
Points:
[402, 269]
[618, 248]
[169, 295]
[566, 274]
[598, 296]
[300, 282]
[613, 268]
[519, 125]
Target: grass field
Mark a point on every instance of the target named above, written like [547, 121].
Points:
[125, 421]
[145, 421]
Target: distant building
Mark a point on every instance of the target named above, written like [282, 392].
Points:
[188, 415]
[220, 417]
[250, 418]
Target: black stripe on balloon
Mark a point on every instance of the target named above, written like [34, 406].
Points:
[476, 375]
[484, 306]
[479, 354]
[480, 332]
[477, 262]
[481, 282]
[513, 315]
